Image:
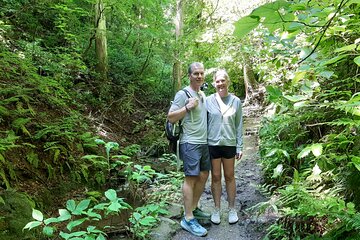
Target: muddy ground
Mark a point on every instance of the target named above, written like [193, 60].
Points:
[248, 177]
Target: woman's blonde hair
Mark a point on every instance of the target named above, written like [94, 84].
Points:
[222, 72]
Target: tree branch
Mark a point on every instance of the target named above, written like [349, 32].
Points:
[327, 25]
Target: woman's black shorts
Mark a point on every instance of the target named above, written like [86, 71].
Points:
[222, 151]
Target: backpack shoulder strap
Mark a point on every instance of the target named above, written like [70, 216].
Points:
[187, 93]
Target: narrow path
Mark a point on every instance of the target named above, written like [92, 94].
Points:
[248, 177]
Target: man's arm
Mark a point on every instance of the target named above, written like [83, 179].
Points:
[179, 114]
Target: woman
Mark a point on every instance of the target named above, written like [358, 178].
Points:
[225, 142]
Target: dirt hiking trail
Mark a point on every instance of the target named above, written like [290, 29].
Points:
[248, 176]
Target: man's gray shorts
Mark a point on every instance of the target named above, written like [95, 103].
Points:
[196, 158]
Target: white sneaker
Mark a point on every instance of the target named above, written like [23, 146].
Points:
[215, 216]
[233, 217]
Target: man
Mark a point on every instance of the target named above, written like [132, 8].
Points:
[193, 146]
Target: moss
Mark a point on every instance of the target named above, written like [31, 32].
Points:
[15, 214]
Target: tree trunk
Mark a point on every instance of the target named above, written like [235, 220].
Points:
[100, 39]
[249, 82]
[178, 33]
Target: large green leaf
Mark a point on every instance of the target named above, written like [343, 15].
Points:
[316, 149]
[64, 215]
[272, 17]
[268, 10]
[357, 60]
[32, 224]
[111, 195]
[75, 223]
[356, 161]
[84, 204]
[37, 215]
[147, 221]
[334, 59]
[346, 48]
[48, 231]
[71, 205]
[245, 25]
[296, 98]
[274, 93]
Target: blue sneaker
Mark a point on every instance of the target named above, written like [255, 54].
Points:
[193, 227]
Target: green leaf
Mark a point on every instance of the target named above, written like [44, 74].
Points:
[92, 229]
[111, 195]
[272, 152]
[304, 152]
[268, 10]
[300, 104]
[70, 205]
[48, 231]
[326, 74]
[274, 19]
[32, 224]
[147, 168]
[346, 48]
[75, 223]
[99, 141]
[334, 59]
[90, 157]
[274, 93]
[357, 60]
[92, 214]
[101, 237]
[51, 220]
[356, 161]
[296, 176]
[137, 216]
[114, 207]
[84, 204]
[100, 206]
[37, 215]
[278, 171]
[153, 207]
[64, 215]
[245, 25]
[77, 234]
[147, 221]
[316, 149]
[298, 76]
[296, 98]
[350, 208]
[64, 235]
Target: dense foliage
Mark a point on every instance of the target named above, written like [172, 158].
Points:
[308, 56]
[55, 106]
[66, 126]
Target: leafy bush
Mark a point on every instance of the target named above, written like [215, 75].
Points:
[76, 215]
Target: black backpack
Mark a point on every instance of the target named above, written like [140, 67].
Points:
[173, 130]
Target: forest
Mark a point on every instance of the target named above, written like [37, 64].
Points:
[85, 86]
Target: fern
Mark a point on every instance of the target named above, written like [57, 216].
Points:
[33, 159]
[19, 124]
[4, 111]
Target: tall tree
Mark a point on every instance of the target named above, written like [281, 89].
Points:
[100, 39]
[178, 33]
[249, 80]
